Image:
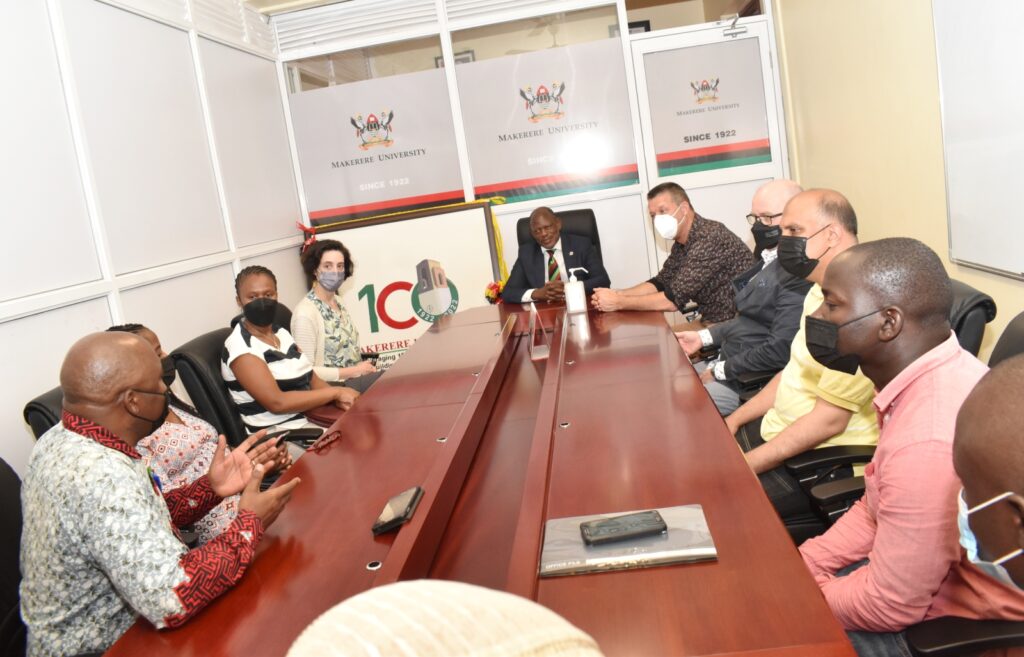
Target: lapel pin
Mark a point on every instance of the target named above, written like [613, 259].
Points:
[570, 252]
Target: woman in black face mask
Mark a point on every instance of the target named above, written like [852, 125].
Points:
[271, 381]
[181, 447]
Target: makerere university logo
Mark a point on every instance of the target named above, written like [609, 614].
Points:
[374, 131]
[705, 91]
[545, 104]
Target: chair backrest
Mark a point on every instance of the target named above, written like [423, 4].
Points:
[575, 222]
[1010, 343]
[972, 310]
[12, 630]
[44, 411]
[198, 364]
[282, 317]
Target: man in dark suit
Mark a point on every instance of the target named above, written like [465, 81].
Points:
[769, 303]
[542, 268]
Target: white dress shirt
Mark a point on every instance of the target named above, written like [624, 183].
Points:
[562, 273]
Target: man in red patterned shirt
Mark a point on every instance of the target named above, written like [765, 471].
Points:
[100, 544]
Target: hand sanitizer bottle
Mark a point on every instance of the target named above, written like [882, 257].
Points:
[575, 294]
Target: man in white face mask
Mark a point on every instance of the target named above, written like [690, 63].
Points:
[706, 256]
[988, 454]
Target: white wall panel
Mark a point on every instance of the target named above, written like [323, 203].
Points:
[179, 309]
[145, 136]
[40, 183]
[252, 143]
[622, 223]
[36, 346]
[291, 282]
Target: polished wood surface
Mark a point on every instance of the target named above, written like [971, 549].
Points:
[639, 432]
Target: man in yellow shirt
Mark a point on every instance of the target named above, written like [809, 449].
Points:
[806, 405]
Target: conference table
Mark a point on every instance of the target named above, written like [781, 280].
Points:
[614, 419]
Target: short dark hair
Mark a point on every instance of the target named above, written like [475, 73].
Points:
[906, 272]
[675, 191]
[126, 328]
[253, 270]
[312, 256]
[837, 207]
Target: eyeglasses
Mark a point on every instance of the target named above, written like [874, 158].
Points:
[764, 219]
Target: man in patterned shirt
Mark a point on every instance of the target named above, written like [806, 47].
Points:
[100, 544]
[706, 256]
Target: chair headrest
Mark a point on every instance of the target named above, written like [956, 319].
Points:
[966, 299]
[44, 411]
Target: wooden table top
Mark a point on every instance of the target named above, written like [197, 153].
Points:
[641, 433]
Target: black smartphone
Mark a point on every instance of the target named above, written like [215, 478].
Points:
[370, 356]
[279, 435]
[621, 528]
[398, 510]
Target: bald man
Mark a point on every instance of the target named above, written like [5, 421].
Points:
[806, 404]
[885, 564]
[769, 305]
[542, 268]
[100, 544]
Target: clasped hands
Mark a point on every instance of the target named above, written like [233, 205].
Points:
[553, 291]
[606, 300]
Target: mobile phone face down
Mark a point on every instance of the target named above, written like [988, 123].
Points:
[398, 510]
[621, 528]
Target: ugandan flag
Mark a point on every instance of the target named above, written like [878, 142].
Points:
[714, 157]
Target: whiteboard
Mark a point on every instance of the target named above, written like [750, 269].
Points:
[978, 52]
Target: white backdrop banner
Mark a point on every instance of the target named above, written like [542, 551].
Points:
[434, 265]
[707, 107]
[376, 146]
[549, 122]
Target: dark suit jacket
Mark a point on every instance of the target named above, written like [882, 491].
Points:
[531, 268]
[769, 304]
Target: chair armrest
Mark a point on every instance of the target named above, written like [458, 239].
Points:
[826, 457]
[950, 636]
[751, 380]
[838, 492]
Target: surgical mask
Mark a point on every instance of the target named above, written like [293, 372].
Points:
[793, 255]
[969, 541]
[765, 237]
[823, 343]
[157, 422]
[260, 312]
[666, 224]
[331, 280]
[169, 374]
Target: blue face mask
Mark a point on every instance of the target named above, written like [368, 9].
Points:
[969, 541]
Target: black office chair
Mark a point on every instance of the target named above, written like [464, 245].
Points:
[198, 363]
[972, 310]
[1010, 343]
[575, 222]
[12, 629]
[43, 412]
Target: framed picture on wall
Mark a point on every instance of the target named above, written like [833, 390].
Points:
[464, 57]
[635, 27]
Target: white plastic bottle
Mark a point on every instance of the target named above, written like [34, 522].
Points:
[575, 293]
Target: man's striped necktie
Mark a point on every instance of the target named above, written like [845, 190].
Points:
[552, 265]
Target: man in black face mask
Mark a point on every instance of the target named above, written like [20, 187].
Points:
[769, 305]
[99, 544]
[806, 405]
[886, 310]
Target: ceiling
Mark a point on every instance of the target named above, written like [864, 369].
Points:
[270, 7]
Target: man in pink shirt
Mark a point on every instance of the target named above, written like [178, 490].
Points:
[885, 565]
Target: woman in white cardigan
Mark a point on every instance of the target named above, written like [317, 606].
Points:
[322, 327]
